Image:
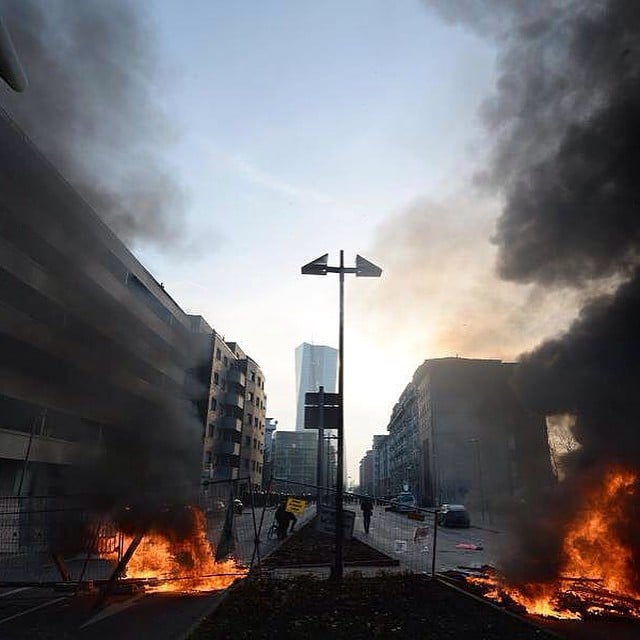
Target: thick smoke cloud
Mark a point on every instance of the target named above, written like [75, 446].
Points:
[92, 108]
[565, 116]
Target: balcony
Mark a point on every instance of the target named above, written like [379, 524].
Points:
[234, 399]
[236, 376]
[231, 422]
[226, 448]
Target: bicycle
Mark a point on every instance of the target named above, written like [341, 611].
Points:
[273, 530]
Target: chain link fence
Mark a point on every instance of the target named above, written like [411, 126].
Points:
[47, 540]
[61, 540]
[399, 537]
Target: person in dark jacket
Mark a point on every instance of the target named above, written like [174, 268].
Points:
[283, 518]
[366, 505]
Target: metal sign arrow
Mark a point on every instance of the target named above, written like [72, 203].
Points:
[366, 269]
[317, 267]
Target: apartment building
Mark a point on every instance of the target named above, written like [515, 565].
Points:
[458, 433]
[233, 439]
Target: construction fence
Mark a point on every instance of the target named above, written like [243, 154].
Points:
[399, 538]
[47, 540]
[62, 540]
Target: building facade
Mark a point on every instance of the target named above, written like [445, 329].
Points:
[367, 475]
[459, 434]
[381, 477]
[233, 439]
[295, 457]
[403, 445]
[98, 364]
[316, 366]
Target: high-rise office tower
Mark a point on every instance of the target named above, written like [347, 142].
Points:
[316, 366]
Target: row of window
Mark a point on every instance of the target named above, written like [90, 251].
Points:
[252, 373]
[260, 381]
[255, 400]
[255, 466]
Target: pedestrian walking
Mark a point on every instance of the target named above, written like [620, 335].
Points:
[283, 518]
[367, 509]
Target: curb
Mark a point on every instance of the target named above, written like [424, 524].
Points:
[497, 607]
[210, 610]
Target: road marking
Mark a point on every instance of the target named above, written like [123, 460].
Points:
[18, 590]
[40, 606]
[111, 610]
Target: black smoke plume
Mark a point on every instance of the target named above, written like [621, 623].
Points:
[92, 108]
[87, 347]
[566, 121]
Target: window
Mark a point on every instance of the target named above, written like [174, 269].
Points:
[250, 395]
[216, 378]
[249, 419]
[255, 443]
[211, 431]
[224, 383]
[226, 361]
[214, 404]
[255, 421]
[208, 457]
[218, 354]
[259, 381]
[253, 376]
[253, 465]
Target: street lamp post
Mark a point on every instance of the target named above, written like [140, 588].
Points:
[363, 269]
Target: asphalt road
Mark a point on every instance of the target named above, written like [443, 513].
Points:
[411, 542]
[44, 614]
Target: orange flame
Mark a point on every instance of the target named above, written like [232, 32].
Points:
[593, 552]
[180, 565]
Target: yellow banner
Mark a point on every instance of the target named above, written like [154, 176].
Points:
[296, 506]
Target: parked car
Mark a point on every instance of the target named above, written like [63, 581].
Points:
[453, 515]
[404, 503]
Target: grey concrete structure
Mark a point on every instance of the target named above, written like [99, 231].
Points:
[91, 346]
[477, 443]
[403, 445]
[367, 475]
[381, 477]
[459, 434]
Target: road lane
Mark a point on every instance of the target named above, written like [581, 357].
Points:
[398, 536]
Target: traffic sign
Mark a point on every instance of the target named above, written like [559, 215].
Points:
[295, 506]
[326, 522]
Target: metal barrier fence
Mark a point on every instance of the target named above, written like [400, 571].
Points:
[49, 540]
[412, 537]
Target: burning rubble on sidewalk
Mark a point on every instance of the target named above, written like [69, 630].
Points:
[597, 577]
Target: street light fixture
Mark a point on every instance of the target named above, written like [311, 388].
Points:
[363, 269]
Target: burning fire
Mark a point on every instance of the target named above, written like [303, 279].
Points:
[597, 572]
[168, 564]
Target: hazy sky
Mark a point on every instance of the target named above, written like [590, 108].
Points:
[309, 127]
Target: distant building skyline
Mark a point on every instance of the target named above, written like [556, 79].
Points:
[316, 366]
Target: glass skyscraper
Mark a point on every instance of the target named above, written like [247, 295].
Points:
[316, 366]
